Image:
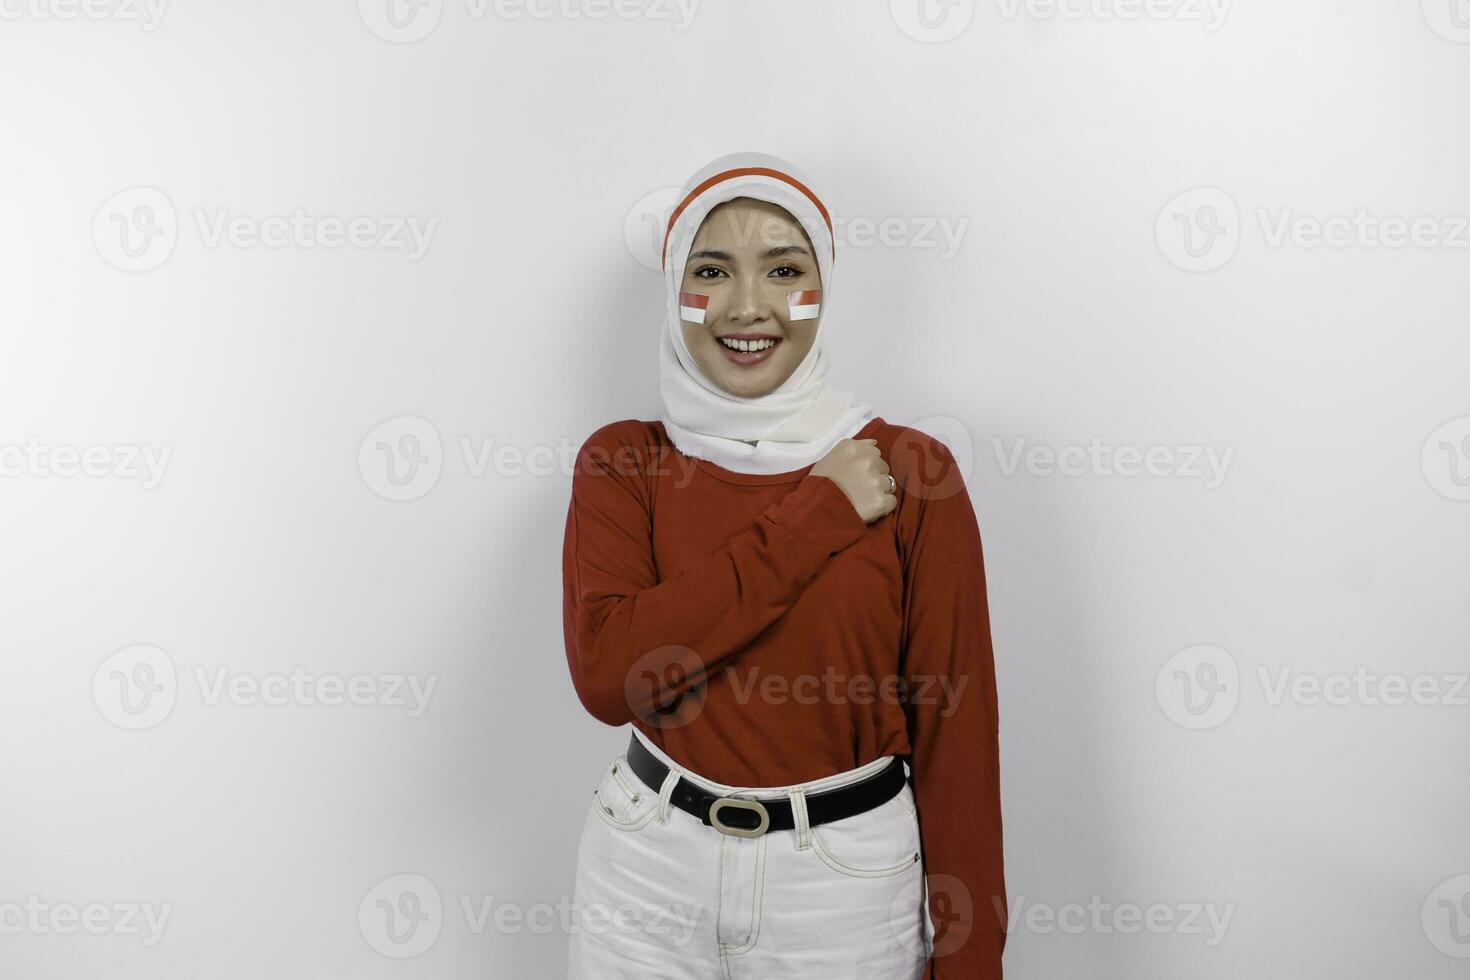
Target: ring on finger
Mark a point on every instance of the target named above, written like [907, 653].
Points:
[892, 483]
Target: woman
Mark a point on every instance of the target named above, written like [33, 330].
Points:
[784, 597]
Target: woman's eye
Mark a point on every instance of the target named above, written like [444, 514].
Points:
[715, 271]
[791, 269]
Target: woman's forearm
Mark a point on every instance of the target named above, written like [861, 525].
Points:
[634, 643]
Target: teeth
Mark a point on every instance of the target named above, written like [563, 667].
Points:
[748, 346]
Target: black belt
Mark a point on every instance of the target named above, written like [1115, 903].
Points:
[756, 817]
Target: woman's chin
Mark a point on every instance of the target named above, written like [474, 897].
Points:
[751, 382]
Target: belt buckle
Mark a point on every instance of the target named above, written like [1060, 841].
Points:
[739, 803]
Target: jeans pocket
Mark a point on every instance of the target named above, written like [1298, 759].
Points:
[621, 799]
[878, 843]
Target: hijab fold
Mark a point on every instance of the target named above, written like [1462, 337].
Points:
[799, 421]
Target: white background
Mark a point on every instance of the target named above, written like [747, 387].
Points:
[1071, 149]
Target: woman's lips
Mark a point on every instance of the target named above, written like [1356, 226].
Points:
[747, 358]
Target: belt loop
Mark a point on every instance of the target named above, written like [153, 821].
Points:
[665, 792]
[799, 818]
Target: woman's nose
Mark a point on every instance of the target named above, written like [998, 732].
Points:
[748, 302]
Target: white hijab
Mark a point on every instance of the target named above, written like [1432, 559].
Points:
[796, 423]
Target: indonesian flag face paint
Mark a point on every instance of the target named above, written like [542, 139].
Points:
[805, 304]
[692, 307]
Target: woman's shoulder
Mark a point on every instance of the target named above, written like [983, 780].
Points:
[626, 432]
[923, 440]
[920, 457]
[632, 440]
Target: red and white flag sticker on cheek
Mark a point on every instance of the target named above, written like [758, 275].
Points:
[692, 307]
[805, 304]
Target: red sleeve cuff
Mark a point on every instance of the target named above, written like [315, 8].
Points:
[819, 513]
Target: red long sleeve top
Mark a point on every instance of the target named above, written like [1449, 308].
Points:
[689, 586]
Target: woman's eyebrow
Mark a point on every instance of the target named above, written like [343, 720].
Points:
[718, 256]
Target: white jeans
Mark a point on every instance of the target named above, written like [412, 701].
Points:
[661, 896]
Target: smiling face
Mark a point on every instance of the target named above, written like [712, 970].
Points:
[747, 258]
